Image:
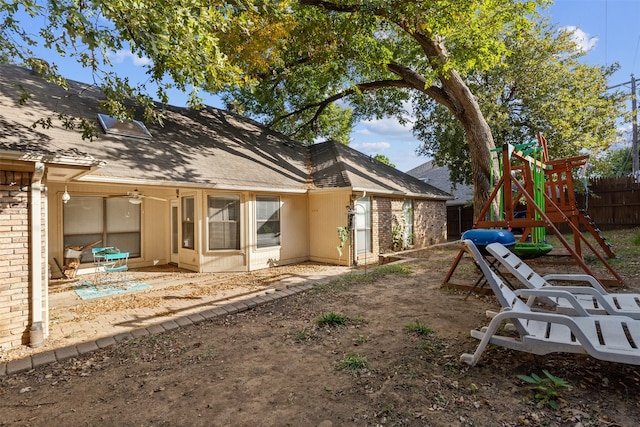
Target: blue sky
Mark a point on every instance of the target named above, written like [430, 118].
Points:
[608, 29]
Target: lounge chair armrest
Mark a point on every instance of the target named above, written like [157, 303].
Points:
[577, 278]
[555, 293]
[586, 290]
[576, 290]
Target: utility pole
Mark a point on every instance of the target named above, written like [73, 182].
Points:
[635, 168]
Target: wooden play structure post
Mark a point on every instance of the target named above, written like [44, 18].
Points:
[546, 188]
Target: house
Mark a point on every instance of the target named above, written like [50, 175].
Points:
[460, 207]
[208, 190]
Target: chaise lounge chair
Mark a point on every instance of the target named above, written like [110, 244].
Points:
[609, 338]
[594, 298]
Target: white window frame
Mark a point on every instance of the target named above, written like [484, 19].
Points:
[268, 220]
[364, 239]
[228, 218]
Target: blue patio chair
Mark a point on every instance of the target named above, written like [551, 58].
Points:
[116, 264]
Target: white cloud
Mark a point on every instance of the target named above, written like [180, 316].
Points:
[388, 127]
[583, 41]
[371, 147]
[122, 55]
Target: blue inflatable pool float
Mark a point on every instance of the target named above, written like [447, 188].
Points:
[481, 237]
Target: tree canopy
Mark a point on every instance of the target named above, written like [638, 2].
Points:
[309, 68]
[540, 86]
[191, 45]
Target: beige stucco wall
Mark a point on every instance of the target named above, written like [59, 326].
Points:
[327, 212]
[156, 229]
[294, 237]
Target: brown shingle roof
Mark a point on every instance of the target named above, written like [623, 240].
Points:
[336, 164]
[207, 148]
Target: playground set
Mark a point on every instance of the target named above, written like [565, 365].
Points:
[534, 194]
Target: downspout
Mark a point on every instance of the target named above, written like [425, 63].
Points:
[36, 335]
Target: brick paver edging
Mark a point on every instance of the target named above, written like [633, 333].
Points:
[64, 353]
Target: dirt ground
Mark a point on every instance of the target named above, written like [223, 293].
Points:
[276, 366]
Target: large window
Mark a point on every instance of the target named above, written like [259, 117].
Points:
[363, 225]
[101, 221]
[223, 221]
[268, 221]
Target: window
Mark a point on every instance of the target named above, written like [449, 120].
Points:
[129, 128]
[223, 221]
[188, 223]
[363, 225]
[102, 221]
[268, 221]
[407, 217]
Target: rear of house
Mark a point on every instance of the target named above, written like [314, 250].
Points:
[209, 191]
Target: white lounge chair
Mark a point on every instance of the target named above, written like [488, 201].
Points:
[593, 297]
[609, 338]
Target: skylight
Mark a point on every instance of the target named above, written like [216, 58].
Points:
[131, 129]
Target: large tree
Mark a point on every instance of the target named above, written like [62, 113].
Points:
[377, 56]
[290, 62]
[540, 86]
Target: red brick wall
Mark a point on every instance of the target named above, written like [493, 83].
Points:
[429, 222]
[14, 258]
[381, 224]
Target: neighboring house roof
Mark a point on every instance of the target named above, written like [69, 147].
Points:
[205, 148]
[438, 176]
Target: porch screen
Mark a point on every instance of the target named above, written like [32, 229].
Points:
[268, 221]
[223, 221]
[102, 221]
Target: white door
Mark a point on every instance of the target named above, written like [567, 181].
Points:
[175, 238]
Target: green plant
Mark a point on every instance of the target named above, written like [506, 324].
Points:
[353, 362]
[343, 236]
[636, 239]
[547, 390]
[419, 328]
[431, 345]
[331, 319]
[397, 236]
[361, 340]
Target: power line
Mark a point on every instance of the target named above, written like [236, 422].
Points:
[634, 127]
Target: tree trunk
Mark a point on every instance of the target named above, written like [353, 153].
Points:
[466, 109]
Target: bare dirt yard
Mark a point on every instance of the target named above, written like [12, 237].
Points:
[391, 360]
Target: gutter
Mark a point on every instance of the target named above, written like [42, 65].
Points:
[36, 335]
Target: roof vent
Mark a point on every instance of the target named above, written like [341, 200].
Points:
[131, 129]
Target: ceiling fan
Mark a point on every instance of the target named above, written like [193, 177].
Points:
[135, 197]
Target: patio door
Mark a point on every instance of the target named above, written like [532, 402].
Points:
[175, 238]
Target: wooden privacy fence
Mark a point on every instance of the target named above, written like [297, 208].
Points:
[612, 202]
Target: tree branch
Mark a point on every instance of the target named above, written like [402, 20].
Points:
[322, 105]
[418, 82]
